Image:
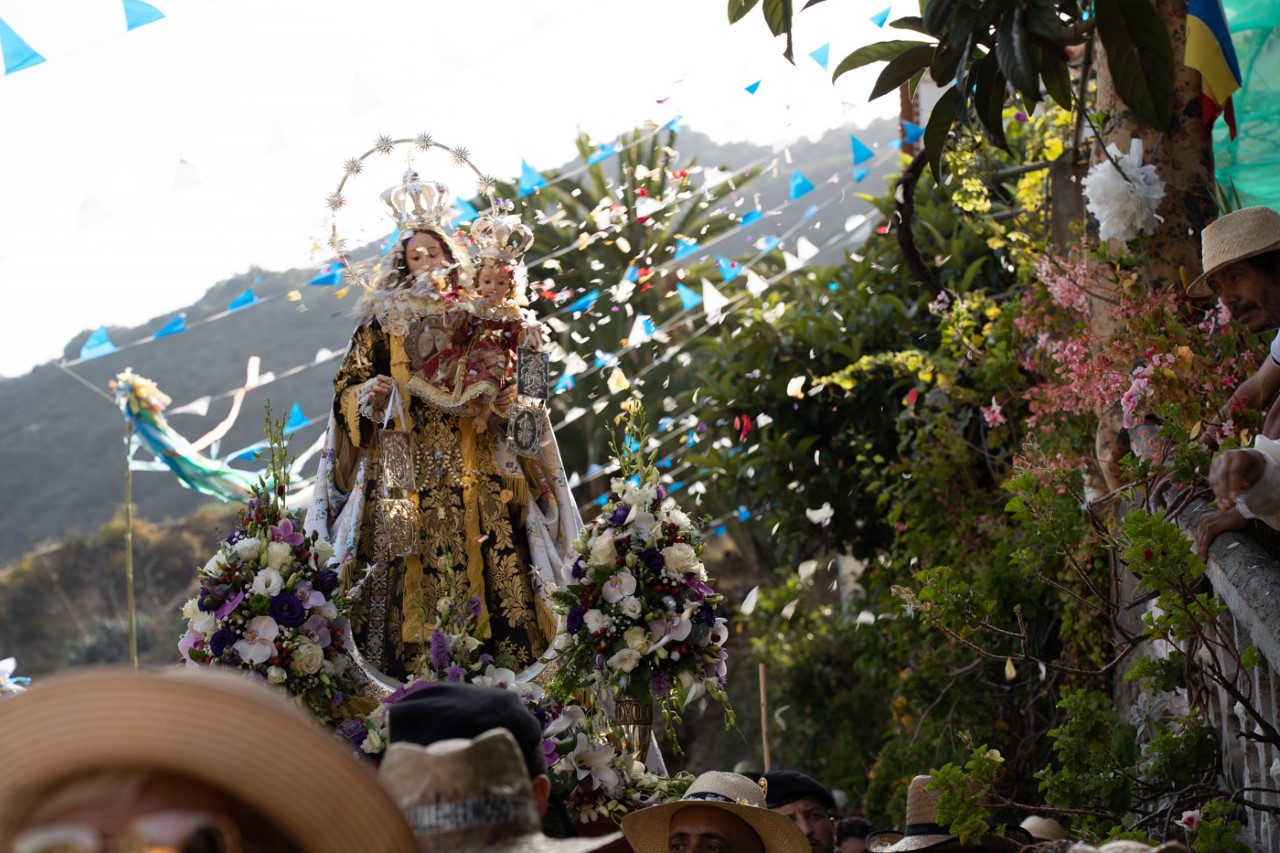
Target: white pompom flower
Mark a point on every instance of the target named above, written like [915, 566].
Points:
[1124, 200]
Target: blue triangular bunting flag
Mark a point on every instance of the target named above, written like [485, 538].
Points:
[860, 173]
[912, 131]
[98, 344]
[530, 180]
[754, 216]
[604, 152]
[631, 444]
[389, 243]
[138, 14]
[881, 17]
[897, 143]
[673, 125]
[174, 327]
[799, 185]
[330, 274]
[689, 298]
[685, 248]
[751, 90]
[632, 274]
[767, 243]
[564, 383]
[297, 420]
[729, 270]
[602, 500]
[861, 153]
[466, 213]
[605, 359]
[583, 302]
[17, 53]
[244, 300]
[822, 54]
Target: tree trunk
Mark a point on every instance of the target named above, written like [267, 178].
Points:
[1183, 155]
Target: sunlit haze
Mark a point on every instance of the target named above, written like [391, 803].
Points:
[139, 168]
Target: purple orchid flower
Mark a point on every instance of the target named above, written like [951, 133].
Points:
[316, 629]
[229, 606]
[700, 589]
[285, 532]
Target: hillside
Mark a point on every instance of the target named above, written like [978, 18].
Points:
[64, 459]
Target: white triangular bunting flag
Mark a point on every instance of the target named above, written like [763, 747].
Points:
[793, 263]
[805, 249]
[755, 284]
[713, 302]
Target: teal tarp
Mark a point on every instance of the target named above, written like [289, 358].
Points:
[1251, 162]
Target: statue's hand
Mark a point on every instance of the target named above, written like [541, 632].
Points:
[378, 390]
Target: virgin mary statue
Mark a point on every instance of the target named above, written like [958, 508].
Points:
[410, 494]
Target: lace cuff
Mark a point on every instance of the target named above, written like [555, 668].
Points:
[369, 409]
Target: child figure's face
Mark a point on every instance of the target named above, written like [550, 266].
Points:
[493, 282]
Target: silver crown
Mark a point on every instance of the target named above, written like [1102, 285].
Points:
[418, 205]
[500, 234]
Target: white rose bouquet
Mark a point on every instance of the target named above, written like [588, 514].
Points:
[268, 603]
[639, 615]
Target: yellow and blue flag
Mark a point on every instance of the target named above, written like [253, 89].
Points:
[1210, 51]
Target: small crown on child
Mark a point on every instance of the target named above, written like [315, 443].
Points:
[500, 234]
[418, 205]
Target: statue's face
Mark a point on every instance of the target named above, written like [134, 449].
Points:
[424, 252]
[493, 281]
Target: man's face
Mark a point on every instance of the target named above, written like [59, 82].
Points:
[814, 821]
[1251, 295]
[705, 829]
[852, 845]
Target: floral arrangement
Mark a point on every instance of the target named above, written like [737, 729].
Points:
[11, 685]
[591, 776]
[267, 602]
[639, 615]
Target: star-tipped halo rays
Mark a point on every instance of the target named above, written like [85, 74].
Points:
[485, 185]
[335, 201]
[461, 156]
[353, 166]
[423, 141]
[384, 144]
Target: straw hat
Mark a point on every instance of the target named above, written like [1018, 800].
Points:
[1238, 235]
[472, 796]
[1044, 828]
[647, 829]
[925, 833]
[218, 729]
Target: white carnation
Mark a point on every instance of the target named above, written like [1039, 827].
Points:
[204, 622]
[279, 554]
[217, 563]
[1124, 200]
[630, 607]
[603, 550]
[267, 582]
[596, 621]
[247, 549]
[625, 660]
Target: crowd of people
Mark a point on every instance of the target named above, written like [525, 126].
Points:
[203, 762]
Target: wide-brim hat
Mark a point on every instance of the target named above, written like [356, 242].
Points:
[472, 796]
[923, 831]
[1240, 234]
[648, 829]
[223, 730]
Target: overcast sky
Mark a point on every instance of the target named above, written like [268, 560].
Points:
[139, 168]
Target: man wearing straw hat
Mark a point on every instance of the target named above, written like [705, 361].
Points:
[923, 832]
[472, 796]
[719, 813]
[184, 761]
[1241, 260]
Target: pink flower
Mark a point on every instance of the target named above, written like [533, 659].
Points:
[285, 532]
[993, 414]
[1190, 820]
